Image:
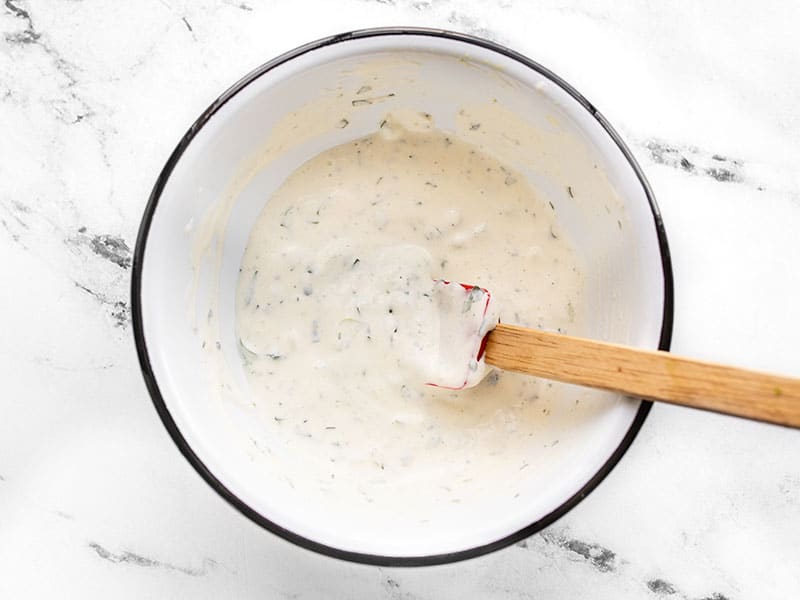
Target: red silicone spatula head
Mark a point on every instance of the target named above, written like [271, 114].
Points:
[466, 314]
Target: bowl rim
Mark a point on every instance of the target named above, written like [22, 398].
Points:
[169, 422]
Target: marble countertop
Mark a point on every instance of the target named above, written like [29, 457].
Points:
[95, 500]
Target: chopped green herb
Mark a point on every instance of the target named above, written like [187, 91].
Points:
[475, 295]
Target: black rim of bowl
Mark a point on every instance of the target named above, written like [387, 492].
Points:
[194, 460]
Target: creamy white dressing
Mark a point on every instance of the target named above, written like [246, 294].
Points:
[341, 324]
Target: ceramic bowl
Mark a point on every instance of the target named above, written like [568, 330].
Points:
[204, 203]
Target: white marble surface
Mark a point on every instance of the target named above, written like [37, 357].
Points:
[95, 501]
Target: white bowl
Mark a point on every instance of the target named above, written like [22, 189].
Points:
[199, 216]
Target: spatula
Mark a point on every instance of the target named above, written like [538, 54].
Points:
[654, 375]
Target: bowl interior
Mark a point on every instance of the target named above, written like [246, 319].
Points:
[218, 185]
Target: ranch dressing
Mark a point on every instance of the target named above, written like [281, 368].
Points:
[340, 328]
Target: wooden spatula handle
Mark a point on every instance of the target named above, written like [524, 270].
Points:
[647, 374]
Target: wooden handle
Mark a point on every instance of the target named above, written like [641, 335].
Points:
[654, 375]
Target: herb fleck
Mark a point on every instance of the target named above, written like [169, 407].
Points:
[475, 294]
